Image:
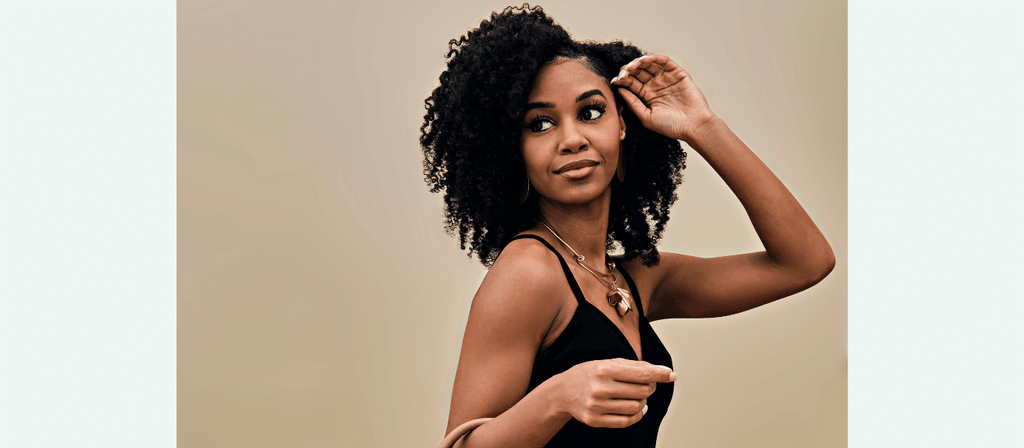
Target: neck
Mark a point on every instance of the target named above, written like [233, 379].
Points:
[584, 227]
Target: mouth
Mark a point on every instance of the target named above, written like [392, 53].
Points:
[575, 166]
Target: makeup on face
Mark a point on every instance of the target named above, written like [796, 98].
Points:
[570, 138]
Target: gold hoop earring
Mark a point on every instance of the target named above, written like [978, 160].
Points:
[620, 170]
[524, 191]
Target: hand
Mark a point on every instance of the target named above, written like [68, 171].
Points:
[663, 97]
[610, 393]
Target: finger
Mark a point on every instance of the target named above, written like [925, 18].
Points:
[641, 75]
[640, 68]
[631, 371]
[631, 64]
[622, 421]
[614, 420]
[651, 68]
[643, 372]
[630, 83]
[633, 68]
[630, 68]
[629, 391]
[621, 407]
[634, 103]
[663, 67]
[658, 62]
[623, 74]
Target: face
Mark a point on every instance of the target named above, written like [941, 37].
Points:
[572, 133]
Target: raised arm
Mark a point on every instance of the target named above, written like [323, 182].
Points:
[796, 254]
[511, 315]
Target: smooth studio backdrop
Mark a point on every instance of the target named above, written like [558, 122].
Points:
[320, 303]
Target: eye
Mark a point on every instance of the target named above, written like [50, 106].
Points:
[591, 113]
[539, 124]
[592, 110]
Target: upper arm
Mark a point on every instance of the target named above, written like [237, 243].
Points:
[688, 286]
[510, 316]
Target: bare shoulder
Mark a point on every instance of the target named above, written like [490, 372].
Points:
[528, 259]
[509, 319]
[522, 287]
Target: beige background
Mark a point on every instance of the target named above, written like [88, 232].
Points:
[320, 302]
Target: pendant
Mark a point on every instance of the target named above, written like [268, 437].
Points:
[619, 298]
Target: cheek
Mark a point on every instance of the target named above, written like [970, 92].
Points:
[609, 137]
[533, 155]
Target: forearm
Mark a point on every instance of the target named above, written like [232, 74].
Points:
[531, 422]
[789, 236]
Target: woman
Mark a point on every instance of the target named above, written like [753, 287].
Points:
[552, 152]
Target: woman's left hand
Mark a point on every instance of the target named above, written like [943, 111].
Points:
[663, 97]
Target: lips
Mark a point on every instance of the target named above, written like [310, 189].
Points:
[575, 166]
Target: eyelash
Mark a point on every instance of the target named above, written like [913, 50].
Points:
[594, 105]
[597, 105]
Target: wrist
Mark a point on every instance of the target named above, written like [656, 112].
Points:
[707, 130]
[556, 403]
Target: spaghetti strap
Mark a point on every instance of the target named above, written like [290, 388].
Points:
[576, 291]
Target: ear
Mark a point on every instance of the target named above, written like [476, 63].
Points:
[622, 125]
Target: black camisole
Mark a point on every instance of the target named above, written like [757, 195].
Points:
[590, 336]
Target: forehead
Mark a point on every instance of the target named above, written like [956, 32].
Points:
[565, 78]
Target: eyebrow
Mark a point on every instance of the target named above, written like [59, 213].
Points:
[582, 97]
[589, 94]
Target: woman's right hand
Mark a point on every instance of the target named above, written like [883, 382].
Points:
[610, 393]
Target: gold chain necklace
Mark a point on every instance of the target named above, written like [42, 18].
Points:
[617, 297]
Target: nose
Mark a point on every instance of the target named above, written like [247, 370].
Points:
[573, 140]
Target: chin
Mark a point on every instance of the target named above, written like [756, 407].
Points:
[581, 196]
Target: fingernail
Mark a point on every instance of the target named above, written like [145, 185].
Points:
[622, 74]
[671, 374]
[645, 410]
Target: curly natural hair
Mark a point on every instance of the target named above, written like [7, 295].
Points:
[471, 137]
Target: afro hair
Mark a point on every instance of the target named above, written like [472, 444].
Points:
[471, 137]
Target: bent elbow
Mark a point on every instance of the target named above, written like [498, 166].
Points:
[822, 266]
[814, 266]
